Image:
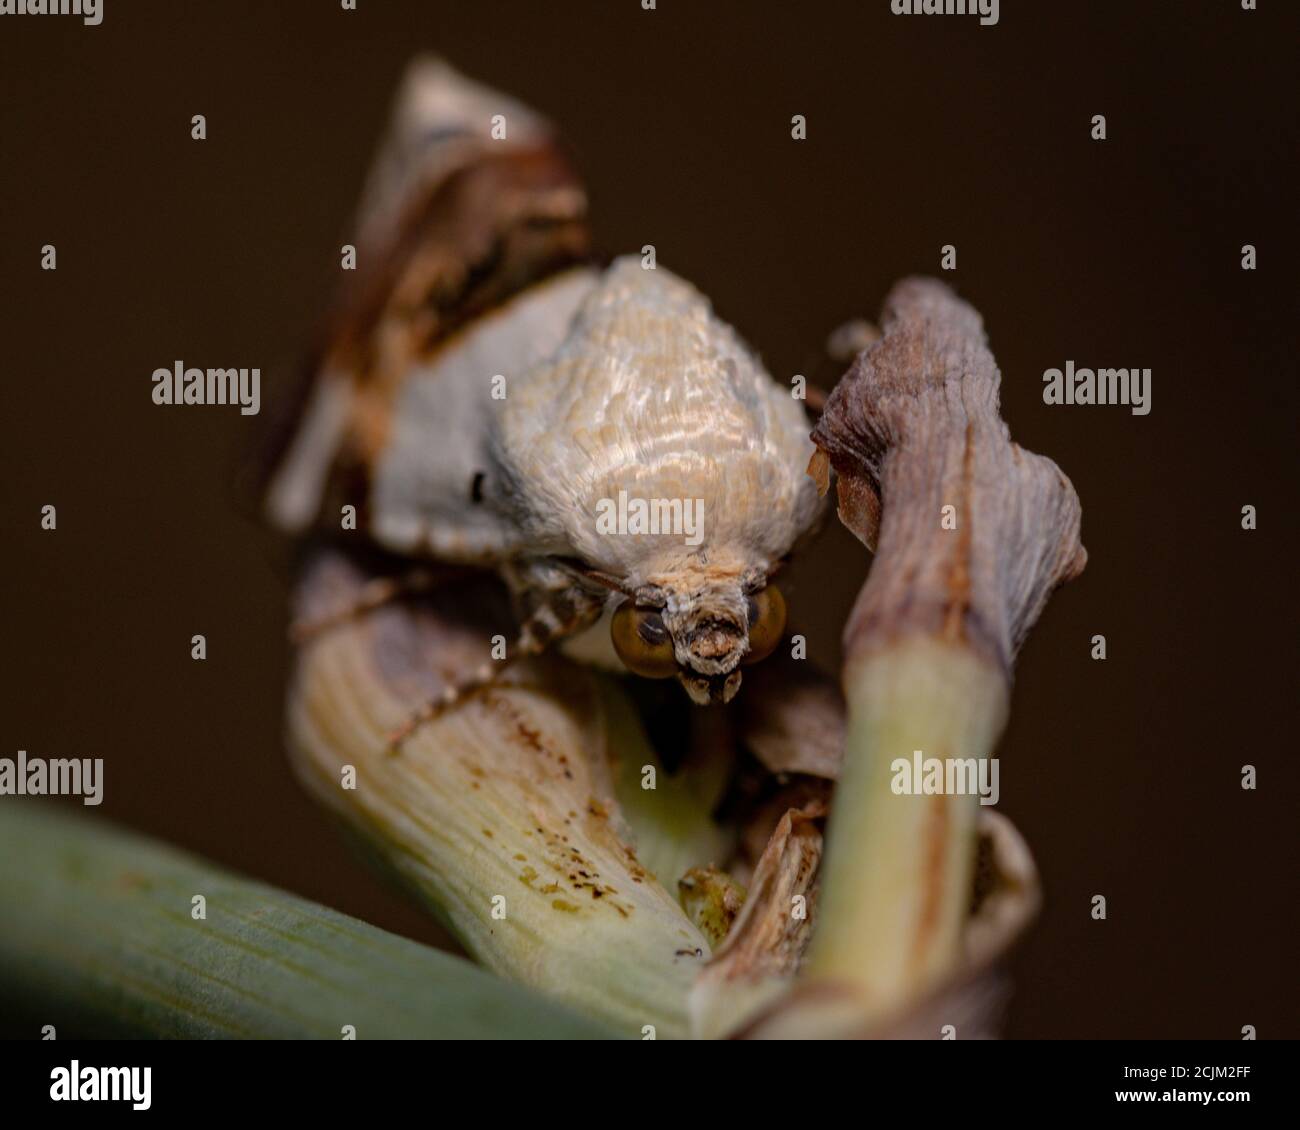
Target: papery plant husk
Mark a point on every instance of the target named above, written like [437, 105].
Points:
[532, 792]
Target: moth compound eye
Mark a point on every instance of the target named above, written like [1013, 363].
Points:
[642, 642]
[766, 623]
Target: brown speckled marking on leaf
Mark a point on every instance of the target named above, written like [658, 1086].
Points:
[527, 736]
[580, 873]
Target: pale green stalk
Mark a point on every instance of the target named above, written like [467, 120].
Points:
[971, 534]
[99, 938]
[897, 877]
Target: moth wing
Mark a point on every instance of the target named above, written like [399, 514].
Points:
[434, 485]
[471, 259]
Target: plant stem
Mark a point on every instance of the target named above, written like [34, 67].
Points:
[898, 867]
[971, 535]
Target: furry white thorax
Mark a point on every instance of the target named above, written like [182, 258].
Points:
[653, 395]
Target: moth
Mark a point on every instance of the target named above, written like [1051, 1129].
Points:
[487, 393]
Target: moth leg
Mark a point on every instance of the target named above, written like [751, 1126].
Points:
[845, 342]
[815, 399]
[554, 614]
[375, 594]
[842, 347]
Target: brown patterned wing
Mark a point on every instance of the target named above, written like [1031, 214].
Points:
[472, 253]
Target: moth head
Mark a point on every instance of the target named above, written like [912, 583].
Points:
[700, 632]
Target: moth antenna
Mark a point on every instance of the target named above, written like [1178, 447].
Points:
[596, 576]
[815, 399]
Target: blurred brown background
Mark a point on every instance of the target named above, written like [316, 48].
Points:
[1123, 774]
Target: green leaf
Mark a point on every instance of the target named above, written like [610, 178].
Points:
[98, 938]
